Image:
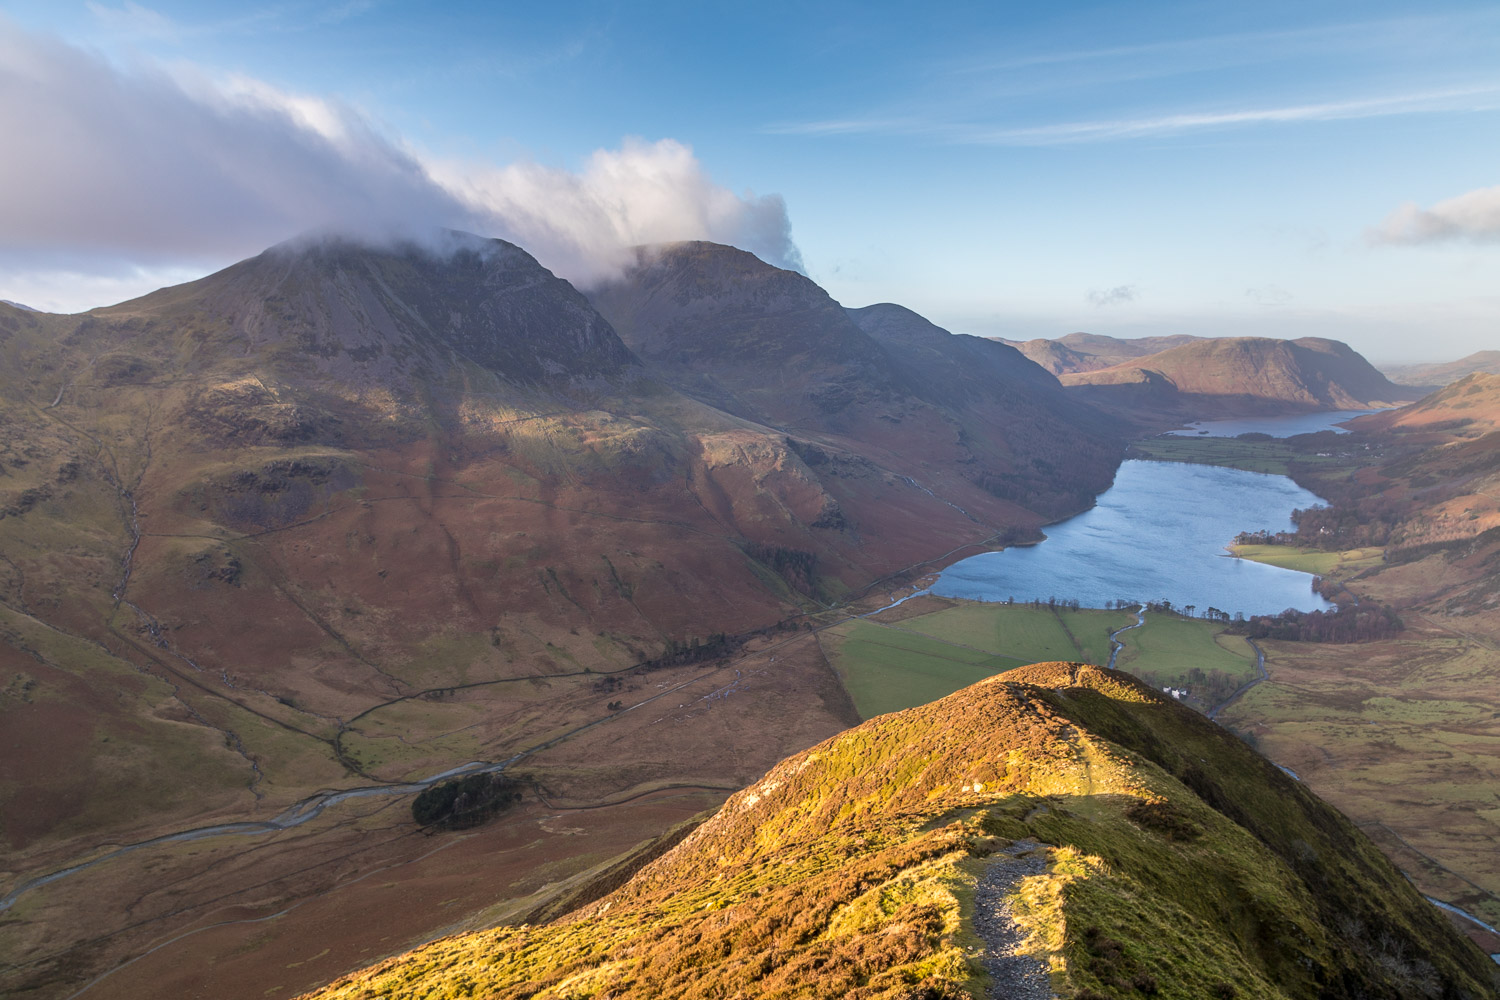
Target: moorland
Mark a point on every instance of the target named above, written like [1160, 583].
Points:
[285, 546]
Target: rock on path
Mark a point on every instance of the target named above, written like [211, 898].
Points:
[1014, 977]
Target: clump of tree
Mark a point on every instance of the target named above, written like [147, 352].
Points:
[796, 567]
[1351, 623]
[461, 803]
[1369, 523]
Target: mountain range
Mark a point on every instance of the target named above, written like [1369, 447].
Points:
[342, 516]
[1154, 379]
[1442, 373]
[280, 546]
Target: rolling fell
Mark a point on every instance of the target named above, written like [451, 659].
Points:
[1115, 840]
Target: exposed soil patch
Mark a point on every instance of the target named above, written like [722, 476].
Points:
[1014, 976]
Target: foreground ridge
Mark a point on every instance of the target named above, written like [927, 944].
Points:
[1165, 859]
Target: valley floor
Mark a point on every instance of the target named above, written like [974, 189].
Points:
[1402, 735]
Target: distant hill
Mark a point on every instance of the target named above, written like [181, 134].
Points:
[1442, 373]
[1468, 407]
[1084, 352]
[1237, 376]
[1120, 844]
[1431, 503]
[17, 305]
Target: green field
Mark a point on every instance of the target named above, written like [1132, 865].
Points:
[888, 667]
[1169, 648]
[1189, 654]
[1252, 456]
[1314, 561]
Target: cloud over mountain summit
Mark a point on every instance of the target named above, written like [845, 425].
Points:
[108, 164]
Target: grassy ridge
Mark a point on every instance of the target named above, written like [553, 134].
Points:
[1178, 864]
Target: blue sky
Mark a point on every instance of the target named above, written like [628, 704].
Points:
[1279, 169]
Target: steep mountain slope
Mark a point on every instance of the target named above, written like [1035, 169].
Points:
[1433, 505]
[1464, 408]
[1086, 352]
[1025, 437]
[770, 345]
[1165, 859]
[1240, 376]
[1444, 373]
[342, 518]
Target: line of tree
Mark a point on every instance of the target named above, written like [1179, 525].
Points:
[1351, 623]
[1054, 602]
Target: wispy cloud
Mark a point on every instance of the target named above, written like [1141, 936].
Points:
[131, 20]
[1481, 97]
[1473, 216]
[1029, 90]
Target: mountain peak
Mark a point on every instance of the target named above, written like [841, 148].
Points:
[395, 311]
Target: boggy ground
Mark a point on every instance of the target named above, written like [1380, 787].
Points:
[227, 909]
[1403, 735]
[389, 887]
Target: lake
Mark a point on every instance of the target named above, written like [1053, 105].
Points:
[1302, 423]
[1158, 533]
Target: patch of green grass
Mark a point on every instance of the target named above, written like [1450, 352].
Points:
[1168, 647]
[1312, 561]
[1023, 632]
[1253, 456]
[886, 669]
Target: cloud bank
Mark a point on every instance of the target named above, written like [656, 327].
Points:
[1473, 216]
[111, 168]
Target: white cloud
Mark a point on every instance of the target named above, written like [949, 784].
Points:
[1473, 216]
[108, 171]
[582, 223]
[1113, 296]
[154, 168]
